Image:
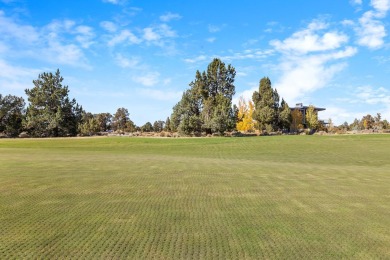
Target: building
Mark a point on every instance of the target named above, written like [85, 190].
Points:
[303, 110]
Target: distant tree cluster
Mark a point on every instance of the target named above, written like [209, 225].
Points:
[205, 108]
[366, 123]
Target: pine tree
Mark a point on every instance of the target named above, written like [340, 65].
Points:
[207, 105]
[51, 112]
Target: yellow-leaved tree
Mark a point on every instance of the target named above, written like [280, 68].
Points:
[297, 119]
[245, 121]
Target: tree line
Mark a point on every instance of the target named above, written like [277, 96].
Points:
[205, 108]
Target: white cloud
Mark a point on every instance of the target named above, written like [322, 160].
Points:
[84, 36]
[371, 31]
[254, 54]
[304, 74]
[109, 26]
[58, 42]
[166, 31]
[10, 29]
[125, 36]
[338, 115]
[310, 59]
[308, 40]
[196, 59]
[382, 6]
[126, 62]
[150, 35]
[372, 96]
[69, 54]
[149, 79]
[246, 94]
[16, 78]
[115, 2]
[356, 2]
[170, 16]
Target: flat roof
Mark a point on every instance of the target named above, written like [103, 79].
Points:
[306, 107]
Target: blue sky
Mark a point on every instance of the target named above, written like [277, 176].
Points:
[142, 55]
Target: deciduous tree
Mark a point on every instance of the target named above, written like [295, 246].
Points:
[245, 122]
[312, 118]
[296, 120]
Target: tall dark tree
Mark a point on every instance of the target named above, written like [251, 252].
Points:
[167, 125]
[51, 112]
[285, 117]
[207, 105]
[158, 126]
[147, 127]
[104, 120]
[90, 125]
[121, 120]
[186, 114]
[11, 115]
[266, 102]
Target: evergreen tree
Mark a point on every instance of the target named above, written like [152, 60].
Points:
[104, 120]
[11, 115]
[121, 119]
[284, 115]
[266, 102]
[207, 105]
[51, 112]
[148, 127]
[167, 126]
[158, 126]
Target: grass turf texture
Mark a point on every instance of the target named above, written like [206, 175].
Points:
[218, 198]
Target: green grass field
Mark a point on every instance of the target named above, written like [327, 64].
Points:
[288, 197]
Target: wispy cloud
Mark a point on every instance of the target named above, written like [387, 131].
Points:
[196, 59]
[124, 62]
[10, 29]
[148, 79]
[16, 78]
[114, 2]
[214, 28]
[124, 37]
[169, 17]
[84, 35]
[109, 26]
[60, 41]
[150, 34]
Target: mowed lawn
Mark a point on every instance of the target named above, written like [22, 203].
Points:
[285, 197]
